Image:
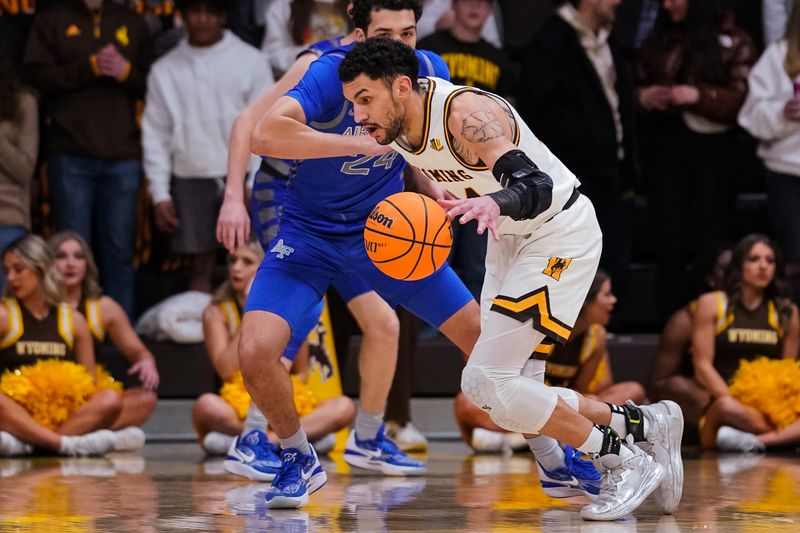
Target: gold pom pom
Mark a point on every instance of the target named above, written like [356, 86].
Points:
[50, 390]
[104, 380]
[770, 385]
[235, 393]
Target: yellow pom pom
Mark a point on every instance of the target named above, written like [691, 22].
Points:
[304, 400]
[50, 390]
[104, 380]
[770, 385]
[235, 393]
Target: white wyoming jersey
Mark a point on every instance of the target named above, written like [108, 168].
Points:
[439, 162]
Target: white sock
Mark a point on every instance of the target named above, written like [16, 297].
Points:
[547, 451]
[67, 446]
[255, 420]
[298, 441]
[594, 442]
[367, 424]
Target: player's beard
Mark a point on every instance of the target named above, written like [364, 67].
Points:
[396, 123]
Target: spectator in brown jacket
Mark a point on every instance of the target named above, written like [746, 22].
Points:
[89, 59]
[692, 80]
[19, 142]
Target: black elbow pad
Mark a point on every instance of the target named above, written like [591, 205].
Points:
[527, 191]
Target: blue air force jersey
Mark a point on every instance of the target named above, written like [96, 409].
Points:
[337, 194]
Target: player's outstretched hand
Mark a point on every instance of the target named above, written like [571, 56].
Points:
[233, 224]
[483, 209]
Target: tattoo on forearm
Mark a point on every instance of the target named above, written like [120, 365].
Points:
[480, 127]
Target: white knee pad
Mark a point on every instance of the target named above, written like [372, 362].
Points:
[569, 396]
[513, 402]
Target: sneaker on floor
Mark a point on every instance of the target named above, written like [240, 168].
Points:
[408, 438]
[216, 443]
[11, 446]
[300, 475]
[487, 441]
[129, 439]
[325, 443]
[578, 477]
[253, 456]
[663, 444]
[95, 443]
[380, 454]
[733, 440]
[625, 484]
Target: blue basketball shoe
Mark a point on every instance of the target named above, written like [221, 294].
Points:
[380, 454]
[300, 475]
[578, 477]
[253, 456]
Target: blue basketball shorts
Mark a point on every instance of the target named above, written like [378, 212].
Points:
[269, 192]
[299, 266]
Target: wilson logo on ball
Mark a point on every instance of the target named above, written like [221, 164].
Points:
[381, 219]
[407, 236]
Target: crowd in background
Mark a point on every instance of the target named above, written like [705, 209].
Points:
[115, 120]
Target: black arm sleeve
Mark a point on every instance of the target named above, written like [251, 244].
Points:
[527, 191]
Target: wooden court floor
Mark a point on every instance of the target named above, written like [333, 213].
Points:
[170, 487]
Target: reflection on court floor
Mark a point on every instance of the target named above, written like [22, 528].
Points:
[170, 487]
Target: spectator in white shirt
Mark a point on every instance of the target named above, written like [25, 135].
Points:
[771, 113]
[193, 96]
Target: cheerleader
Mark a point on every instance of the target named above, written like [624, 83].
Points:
[48, 395]
[744, 344]
[106, 319]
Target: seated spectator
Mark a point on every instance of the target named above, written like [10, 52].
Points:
[19, 143]
[194, 93]
[771, 113]
[56, 407]
[672, 375]
[737, 332]
[106, 319]
[219, 419]
[582, 364]
[692, 80]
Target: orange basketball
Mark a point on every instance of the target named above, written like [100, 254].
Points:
[408, 236]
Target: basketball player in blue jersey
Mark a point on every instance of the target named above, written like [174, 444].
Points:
[252, 453]
[320, 238]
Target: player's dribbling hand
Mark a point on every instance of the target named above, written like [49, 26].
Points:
[483, 209]
[233, 225]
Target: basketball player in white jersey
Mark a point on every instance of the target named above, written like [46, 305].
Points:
[542, 258]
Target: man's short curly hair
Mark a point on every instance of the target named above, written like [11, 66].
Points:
[382, 59]
[361, 12]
